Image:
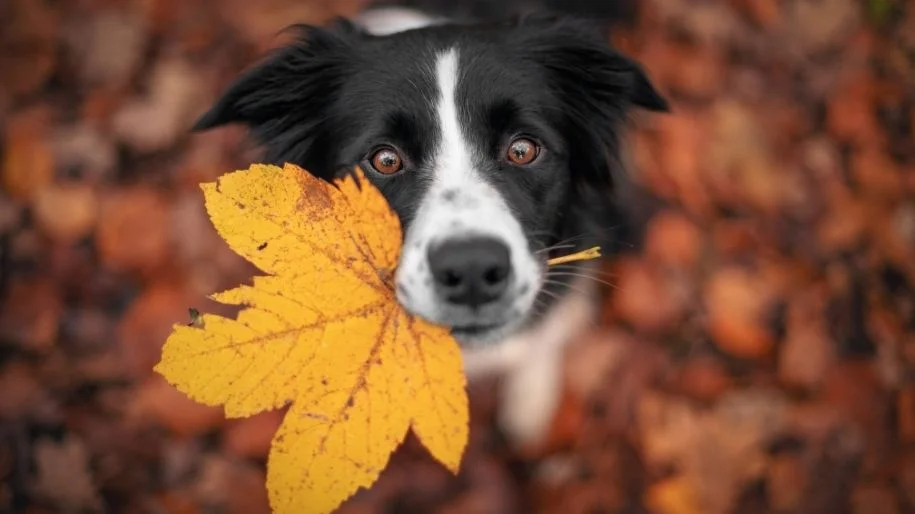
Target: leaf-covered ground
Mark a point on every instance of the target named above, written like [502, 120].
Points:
[757, 353]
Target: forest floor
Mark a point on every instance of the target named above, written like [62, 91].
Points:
[756, 353]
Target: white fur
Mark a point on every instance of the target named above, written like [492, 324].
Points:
[532, 362]
[459, 204]
[383, 21]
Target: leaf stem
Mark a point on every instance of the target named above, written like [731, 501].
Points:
[584, 255]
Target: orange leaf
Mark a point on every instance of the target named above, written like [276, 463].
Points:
[323, 332]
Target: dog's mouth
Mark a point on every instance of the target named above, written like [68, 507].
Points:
[473, 331]
[484, 333]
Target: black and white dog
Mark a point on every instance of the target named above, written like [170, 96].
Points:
[496, 144]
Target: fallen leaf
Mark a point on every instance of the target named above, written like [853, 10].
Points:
[673, 240]
[874, 499]
[808, 351]
[643, 298]
[66, 212]
[703, 378]
[787, 479]
[324, 332]
[717, 451]
[231, 487]
[696, 71]
[27, 164]
[907, 478]
[905, 404]
[30, 314]
[250, 437]
[148, 321]
[133, 230]
[157, 400]
[672, 496]
[737, 301]
[107, 46]
[23, 393]
[28, 42]
[86, 147]
[63, 476]
[156, 122]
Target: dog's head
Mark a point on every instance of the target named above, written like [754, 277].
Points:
[487, 141]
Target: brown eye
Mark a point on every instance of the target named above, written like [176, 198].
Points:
[522, 151]
[387, 161]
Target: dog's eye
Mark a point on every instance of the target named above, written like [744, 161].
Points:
[522, 151]
[387, 161]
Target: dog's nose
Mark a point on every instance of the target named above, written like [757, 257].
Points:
[470, 272]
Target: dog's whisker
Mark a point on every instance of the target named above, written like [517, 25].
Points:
[578, 268]
[570, 287]
[581, 275]
[551, 294]
[573, 239]
[539, 307]
[554, 247]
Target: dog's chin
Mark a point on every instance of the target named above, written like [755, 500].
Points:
[476, 336]
[476, 329]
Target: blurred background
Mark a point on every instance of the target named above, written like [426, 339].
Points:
[756, 353]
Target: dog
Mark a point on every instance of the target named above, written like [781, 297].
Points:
[496, 143]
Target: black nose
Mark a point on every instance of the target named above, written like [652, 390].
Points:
[470, 271]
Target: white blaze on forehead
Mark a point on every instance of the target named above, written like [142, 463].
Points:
[453, 158]
[460, 203]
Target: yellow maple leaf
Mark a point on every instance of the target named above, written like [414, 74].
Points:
[322, 331]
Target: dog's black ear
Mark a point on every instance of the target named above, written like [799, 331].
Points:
[580, 58]
[294, 81]
[642, 92]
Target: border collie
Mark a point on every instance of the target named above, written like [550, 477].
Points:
[495, 143]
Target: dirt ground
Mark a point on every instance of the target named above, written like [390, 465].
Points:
[756, 354]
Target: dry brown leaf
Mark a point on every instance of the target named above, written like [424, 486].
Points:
[643, 298]
[696, 71]
[28, 163]
[30, 314]
[905, 406]
[159, 120]
[681, 151]
[855, 391]
[63, 476]
[737, 302]
[787, 479]
[250, 437]
[232, 487]
[133, 232]
[158, 401]
[66, 212]
[673, 239]
[673, 496]
[28, 47]
[808, 350]
[850, 115]
[703, 378]
[23, 394]
[106, 46]
[148, 321]
[86, 148]
[717, 451]
[874, 499]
